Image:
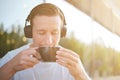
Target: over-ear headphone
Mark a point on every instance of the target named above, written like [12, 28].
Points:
[34, 12]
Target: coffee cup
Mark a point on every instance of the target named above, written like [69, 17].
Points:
[48, 54]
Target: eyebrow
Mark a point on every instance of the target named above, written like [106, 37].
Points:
[45, 29]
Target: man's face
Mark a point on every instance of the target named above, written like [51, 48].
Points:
[46, 30]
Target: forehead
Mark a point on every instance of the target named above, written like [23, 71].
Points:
[46, 20]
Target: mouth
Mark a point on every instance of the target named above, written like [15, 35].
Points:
[44, 45]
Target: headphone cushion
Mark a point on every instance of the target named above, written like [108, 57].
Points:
[28, 31]
[63, 32]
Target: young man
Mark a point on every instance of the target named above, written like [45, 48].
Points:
[47, 26]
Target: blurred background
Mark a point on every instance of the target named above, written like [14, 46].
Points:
[93, 27]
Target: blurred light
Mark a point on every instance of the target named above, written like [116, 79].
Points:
[12, 41]
[1, 33]
[24, 39]
[8, 41]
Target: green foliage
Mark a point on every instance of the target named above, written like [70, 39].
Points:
[12, 40]
[95, 57]
[73, 44]
[104, 61]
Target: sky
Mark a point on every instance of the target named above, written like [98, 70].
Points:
[84, 28]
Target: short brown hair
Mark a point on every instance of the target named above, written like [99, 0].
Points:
[46, 9]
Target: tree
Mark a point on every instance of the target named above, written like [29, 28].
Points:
[12, 40]
[72, 43]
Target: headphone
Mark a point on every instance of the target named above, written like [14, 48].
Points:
[28, 27]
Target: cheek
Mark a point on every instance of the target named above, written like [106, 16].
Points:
[57, 40]
[36, 38]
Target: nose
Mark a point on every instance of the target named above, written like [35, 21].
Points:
[48, 39]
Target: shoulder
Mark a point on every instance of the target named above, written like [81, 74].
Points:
[19, 49]
[16, 51]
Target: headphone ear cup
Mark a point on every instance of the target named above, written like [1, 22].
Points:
[63, 32]
[28, 31]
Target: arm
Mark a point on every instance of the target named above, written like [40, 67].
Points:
[6, 71]
[72, 61]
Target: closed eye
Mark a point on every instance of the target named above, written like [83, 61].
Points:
[55, 32]
[41, 32]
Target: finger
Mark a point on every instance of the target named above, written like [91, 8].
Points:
[69, 51]
[27, 65]
[24, 64]
[34, 53]
[34, 47]
[29, 52]
[63, 63]
[32, 60]
[66, 55]
[38, 56]
[66, 60]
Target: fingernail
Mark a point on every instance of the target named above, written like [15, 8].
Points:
[57, 52]
[57, 56]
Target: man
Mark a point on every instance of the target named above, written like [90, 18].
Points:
[47, 26]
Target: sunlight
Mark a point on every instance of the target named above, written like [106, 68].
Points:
[99, 60]
[85, 29]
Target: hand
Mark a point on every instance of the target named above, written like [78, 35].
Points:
[21, 61]
[72, 61]
[25, 59]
